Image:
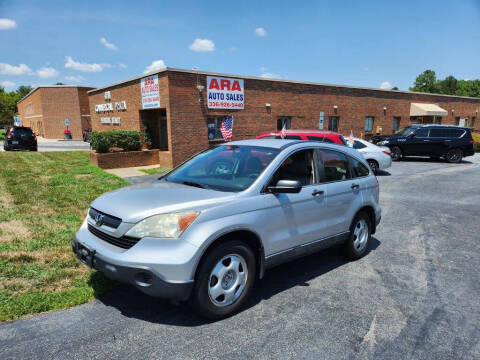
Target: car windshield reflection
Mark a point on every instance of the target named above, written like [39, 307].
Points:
[229, 168]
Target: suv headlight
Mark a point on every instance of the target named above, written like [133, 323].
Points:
[163, 226]
[384, 142]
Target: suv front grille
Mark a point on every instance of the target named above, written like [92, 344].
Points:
[109, 220]
[125, 242]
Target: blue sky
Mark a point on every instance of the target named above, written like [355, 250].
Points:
[360, 43]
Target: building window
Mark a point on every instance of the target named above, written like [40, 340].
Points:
[396, 123]
[284, 121]
[472, 125]
[214, 124]
[333, 123]
[457, 120]
[438, 120]
[369, 123]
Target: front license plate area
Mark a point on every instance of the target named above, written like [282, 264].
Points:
[14, 142]
[85, 255]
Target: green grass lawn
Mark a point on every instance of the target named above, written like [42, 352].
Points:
[157, 170]
[43, 200]
[2, 134]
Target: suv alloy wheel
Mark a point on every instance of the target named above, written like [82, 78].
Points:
[454, 155]
[396, 153]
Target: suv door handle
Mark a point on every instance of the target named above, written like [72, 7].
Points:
[317, 192]
[426, 140]
[355, 186]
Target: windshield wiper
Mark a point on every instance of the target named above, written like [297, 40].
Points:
[191, 183]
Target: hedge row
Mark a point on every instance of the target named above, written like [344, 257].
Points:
[128, 140]
[476, 138]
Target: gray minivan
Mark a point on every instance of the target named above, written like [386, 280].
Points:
[208, 229]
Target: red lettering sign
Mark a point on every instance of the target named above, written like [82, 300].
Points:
[236, 86]
[225, 84]
[214, 84]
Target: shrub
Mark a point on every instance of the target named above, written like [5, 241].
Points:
[2, 134]
[476, 138]
[128, 140]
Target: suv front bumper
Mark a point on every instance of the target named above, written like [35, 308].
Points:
[143, 278]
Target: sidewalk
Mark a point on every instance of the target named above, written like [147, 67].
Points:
[131, 171]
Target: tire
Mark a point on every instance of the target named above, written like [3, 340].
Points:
[454, 156]
[396, 153]
[360, 234]
[373, 165]
[216, 276]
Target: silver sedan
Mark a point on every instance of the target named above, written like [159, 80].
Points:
[378, 157]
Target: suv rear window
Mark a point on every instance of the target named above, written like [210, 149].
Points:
[22, 132]
[455, 133]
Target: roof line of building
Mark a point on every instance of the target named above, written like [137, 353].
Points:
[274, 80]
[53, 86]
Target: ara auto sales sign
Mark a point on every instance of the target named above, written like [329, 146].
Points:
[150, 92]
[225, 93]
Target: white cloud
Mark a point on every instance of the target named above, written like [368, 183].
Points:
[270, 75]
[122, 66]
[263, 69]
[202, 45]
[75, 65]
[156, 65]
[260, 31]
[7, 69]
[47, 72]
[107, 44]
[75, 78]
[7, 84]
[385, 85]
[232, 49]
[7, 24]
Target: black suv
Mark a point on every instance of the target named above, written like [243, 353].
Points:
[448, 141]
[20, 138]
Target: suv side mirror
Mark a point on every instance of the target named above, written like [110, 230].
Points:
[286, 186]
[411, 135]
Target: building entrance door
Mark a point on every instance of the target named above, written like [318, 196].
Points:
[155, 128]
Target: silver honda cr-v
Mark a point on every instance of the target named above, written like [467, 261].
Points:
[209, 228]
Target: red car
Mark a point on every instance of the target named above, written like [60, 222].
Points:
[318, 135]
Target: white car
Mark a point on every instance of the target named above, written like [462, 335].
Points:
[378, 157]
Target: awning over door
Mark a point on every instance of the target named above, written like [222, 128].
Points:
[420, 109]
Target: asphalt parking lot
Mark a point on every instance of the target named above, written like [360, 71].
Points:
[58, 145]
[416, 295]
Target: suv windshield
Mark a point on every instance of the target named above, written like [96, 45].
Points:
[405, 131]
[224, 168]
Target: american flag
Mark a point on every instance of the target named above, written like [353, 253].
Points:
[351, 138]
[284, 130]
[226, 128]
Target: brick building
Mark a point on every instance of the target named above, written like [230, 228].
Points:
[181, 114]
[45, 109]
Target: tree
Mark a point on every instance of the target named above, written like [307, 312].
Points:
[8, 103]
[23, 91]
[425, 82]
[395, 88]
[447, 86]
[60, 83]
[468, 88]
